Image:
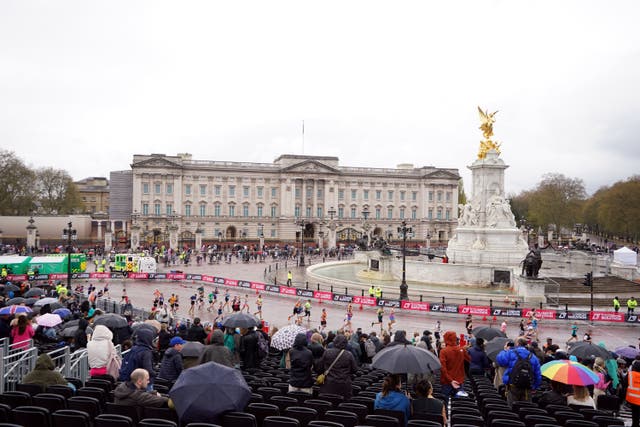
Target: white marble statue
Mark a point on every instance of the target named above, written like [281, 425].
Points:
[499, 213]
[468, 216]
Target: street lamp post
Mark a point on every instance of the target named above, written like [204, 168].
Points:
[404, 295]
[302, 224]
[332, 228]
[69, 234]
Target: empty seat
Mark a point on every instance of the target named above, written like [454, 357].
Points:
[90, 405]
[605, 421]
[239, 419]
[428, 417]
[589, 413]
[283, 402]
[280, 421]
[367, 401]
[32, 389]
[62, 390]
[5, 413]
[357, 408]
[31, 416]
[300, 396]
[321, 406]
[533, 419]
[382, 421]
[156, 422]
[132, 412]
[96, 392]
[53, 402]
[473, 420]
[399, 415]
[523, 411]
[301, 413]
[335, 399]
[113, 420]
[423, 423]
[501, 422]
[77, 382]
[563, 416]
[609, 403]
[267, 392]
[70, 418]
[323, 423]
[202, 425]
[580, 423]
[160, 413]
[346, 418]
[262, 410]
[15, 398]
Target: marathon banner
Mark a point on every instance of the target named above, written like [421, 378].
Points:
[273, 288]
[606, 316]
[540, 314]
[342, 298]
[164, 276]
[506, 312]
[258, 286]
[443, 308]
[244, 284]
[39, 277]
[230, 282]
[323, 295]
[218, 280]
[205, 278]
[171, 276]
[138, 275]
[305, 293]
[633, 318]
[475, 309]
[414, 305]
[572, 315]
[20, 277]
[364, 300]
[99, 275]
[285, 290]
[194, 277]
[394, 303]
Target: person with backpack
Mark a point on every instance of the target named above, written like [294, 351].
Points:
[140, 356]
[522, 373]
[367, 350]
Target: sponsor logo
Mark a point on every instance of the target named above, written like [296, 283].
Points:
[541, 314]
[138, 275]
[412, 305]
[40, 277]
[364, 300]
[604, 316]
[342, 298]
[273, 288]
[388, 303]
[164, 276]
[475, 309]
[84, 275]
[632, 318]
[443, 308]
[287, 291]
[322, 295]
[230, 282]
[208, 279]
[259, 286]
[304, 293]
[244, 284]
[196, 276]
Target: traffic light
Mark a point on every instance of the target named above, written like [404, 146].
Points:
[588, 279]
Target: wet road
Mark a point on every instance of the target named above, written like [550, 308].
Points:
[276, 308]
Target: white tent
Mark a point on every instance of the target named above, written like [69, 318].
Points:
[625, 256]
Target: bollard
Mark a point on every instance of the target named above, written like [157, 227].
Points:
[420, 298]
[443, 300]
[490, 303]
[306, 285]
[566, 307]
[331, 288]
[516, 304]
[276, 266]
[269, 268]
[466, 301]
[362, 291]
[318, 286]
[345, 291]
[540, 305]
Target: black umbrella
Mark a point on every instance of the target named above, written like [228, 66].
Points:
[15, 301]
[585, 350]
[192, 349]
[10, 287]
[34, 292]
[69, 328]
[30, 301]
[111, 320]
[193, 391]
[495, 346]
[405, 359]
[487, 333]
[241, 320]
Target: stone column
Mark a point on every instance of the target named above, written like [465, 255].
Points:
[31, 235]
[303, 206]
[314, 198]
[198, 244]
[332, 234]
[135, 237]
[108, 237]
[173, 236]
[99, 230]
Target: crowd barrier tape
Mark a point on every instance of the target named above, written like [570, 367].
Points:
[412, 306]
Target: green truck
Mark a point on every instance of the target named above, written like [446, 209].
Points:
[57, 264]
[15, 264]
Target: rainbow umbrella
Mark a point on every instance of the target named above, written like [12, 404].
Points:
[569, 372]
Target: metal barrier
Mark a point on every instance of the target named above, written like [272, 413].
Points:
[72, 365]
[14, 366]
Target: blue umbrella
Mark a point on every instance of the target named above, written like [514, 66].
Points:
[627, 352]
[15, 309]
[62, 312]
[205, 391]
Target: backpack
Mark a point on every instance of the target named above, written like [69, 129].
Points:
[521, 375]
[370, 348]
[129, 363]
[263, 345]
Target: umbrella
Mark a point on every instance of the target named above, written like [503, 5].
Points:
[34, 292]
[16, 300]
[193, 390]
[569, 372]
[487, 333]
[153, 323]
[240, 320]
[62, 312]
[69, 329]
[136, 327]
[494, 347]
[10, 287]
[45, 301]
[192, 349]
[30, 301]
[284, 338]
[405, 359]
[111, 320]
[585, 350]
[15, 309]
[49, 320]
[627, 352]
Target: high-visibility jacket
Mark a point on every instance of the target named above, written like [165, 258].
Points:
[616, 303]
[631, 303]
[633, 391]
[372, 291]
[378, 292]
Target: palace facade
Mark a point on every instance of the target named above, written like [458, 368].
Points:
[240, 202]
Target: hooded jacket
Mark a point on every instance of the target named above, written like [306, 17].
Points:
[141, 355]
[452, 359]
[479, 359]
[171, 365]
[249, 350]
[508, 358]
[394, 401]
[127, 393]
[44, 373]
[400, 337]
[216, 351]
[100, 346]
[301, 363]
[338, 381]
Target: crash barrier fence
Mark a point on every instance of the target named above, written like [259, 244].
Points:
[491, 310]
[16, 365]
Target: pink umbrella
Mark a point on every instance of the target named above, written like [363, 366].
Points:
[49, 320]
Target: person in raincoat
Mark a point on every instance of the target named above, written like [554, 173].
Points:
[338, 380]
[102, 355]
[301, 359]
[44, 374]
[216, 351]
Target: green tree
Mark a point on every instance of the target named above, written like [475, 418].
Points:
[618, 209]
[17, 191]
[57, 194]
[557, 200]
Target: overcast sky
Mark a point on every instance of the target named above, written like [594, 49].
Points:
[85, 85]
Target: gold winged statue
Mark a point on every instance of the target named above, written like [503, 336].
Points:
[486, 126]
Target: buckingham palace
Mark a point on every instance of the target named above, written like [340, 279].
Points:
[240, 202]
